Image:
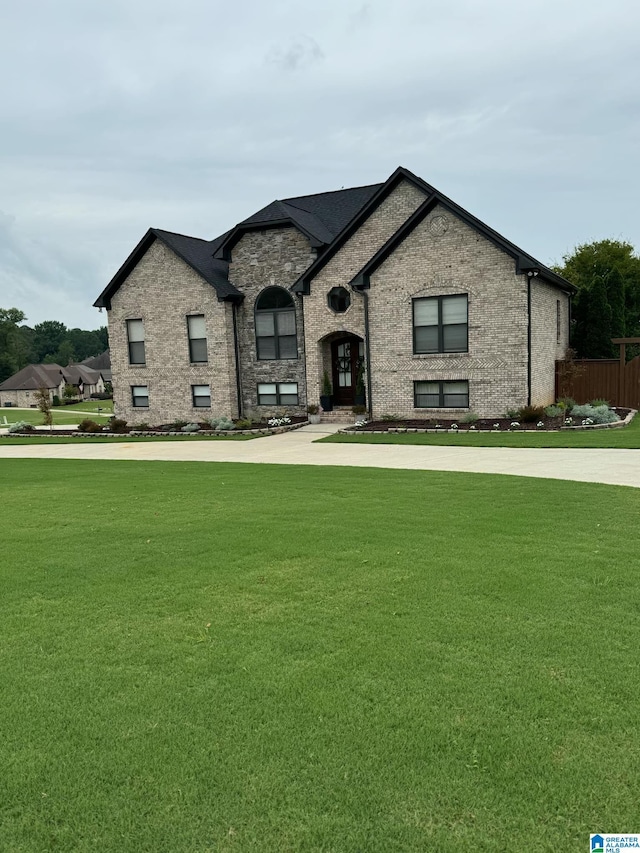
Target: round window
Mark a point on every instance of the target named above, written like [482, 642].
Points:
[339, 299]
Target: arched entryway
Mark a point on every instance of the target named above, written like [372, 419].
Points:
[347, 368]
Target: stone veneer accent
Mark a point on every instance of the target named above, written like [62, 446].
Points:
[273, 257]
[321, 323]
[162, 290]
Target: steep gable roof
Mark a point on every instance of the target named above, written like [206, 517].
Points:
[523, 261]
[34, 376]
[98, 362]
[319, 217]
[75, 374]
[198, 254]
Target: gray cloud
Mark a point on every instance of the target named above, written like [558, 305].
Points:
[119, 116]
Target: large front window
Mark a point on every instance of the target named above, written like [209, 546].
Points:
[276, 325]
[135, 336]
[441, 395]
[278, 394]
[440, 324]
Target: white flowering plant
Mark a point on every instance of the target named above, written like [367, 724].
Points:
[514, 425]
[278, 422]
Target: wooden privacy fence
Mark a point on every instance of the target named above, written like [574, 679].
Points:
[614, 380]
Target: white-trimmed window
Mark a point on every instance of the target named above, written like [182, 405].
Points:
[278, 394]
[201, 396]
[275, 316]
[197, 329]
[140, 396]
[442, 394]
[135, 336]
[440, 324]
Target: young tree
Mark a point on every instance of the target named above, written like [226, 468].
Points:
[43, 402]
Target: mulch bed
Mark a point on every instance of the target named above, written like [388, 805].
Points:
[205, 429]
[503, 424]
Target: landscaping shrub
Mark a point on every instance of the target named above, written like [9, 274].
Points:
[141, 427]
[597, 414]
[19, 426]
[530, 414]
[554, 411]
[117, 425]
[177, 425]
[225, 423]
[512, 413]
[102, 395]
[566, 403]
[469, 418]
[192, 427]
[87, 425]
[243, 423]
[597, 403]
[56, 400]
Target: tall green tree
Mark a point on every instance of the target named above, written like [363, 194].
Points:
[48, 337]
[10, 341]
[607, 275]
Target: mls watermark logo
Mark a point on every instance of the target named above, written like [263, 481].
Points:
[613, 843]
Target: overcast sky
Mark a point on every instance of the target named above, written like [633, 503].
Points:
[120, 115]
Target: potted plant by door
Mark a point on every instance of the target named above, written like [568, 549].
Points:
[360, 397]
[358, 411]
[313, 412]
[327, 390]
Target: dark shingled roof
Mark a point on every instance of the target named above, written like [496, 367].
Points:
[98, 362]
[34, 376]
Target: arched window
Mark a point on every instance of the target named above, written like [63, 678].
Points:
[276, 325]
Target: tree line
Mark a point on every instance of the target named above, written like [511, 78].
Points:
[607, 304]
[49, 342]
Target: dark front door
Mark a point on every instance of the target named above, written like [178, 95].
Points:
[346, 357]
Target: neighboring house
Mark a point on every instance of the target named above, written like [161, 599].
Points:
[19, 390]
[444, 313]
[101, 363]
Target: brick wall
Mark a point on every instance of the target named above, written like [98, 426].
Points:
[320, 321]
[162, 290]
[444, 256]
[547, 345]
[261, 259]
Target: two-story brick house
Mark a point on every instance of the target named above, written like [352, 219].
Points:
[392, 283]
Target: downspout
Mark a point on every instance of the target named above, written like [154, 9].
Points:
[531, 274]
[367, 348]
[236, 347]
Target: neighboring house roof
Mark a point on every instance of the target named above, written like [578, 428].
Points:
[34, 376]
[98, 362]
[75, 374]
[524, 262]
[198, 254]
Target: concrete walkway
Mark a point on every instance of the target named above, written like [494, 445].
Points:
[617, 467]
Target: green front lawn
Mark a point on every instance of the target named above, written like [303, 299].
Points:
[61, 415]
[217, 657]
[625, 437]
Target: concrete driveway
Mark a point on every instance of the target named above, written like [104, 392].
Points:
[616, 467]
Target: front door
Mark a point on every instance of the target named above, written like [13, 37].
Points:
[346, 357]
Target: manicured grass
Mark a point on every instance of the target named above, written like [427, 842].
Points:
[217, 657]
[625, 437]
[61, 415]
[6, 441]
[92, 406]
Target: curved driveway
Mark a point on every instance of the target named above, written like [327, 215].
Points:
[617, 467]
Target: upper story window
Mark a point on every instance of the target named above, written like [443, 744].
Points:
[440, 324]
[276, 324]
[197, 338]
[339, 299]
[135, 336]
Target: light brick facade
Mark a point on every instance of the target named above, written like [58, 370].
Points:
[513, 340]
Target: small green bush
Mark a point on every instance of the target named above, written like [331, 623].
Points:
[117, 425]
[554, 411]
[566, 403]
[225, 423]
[469, 418]
[530, 414]
[190, 428]
[598, 414]
[141, 427]
[512, 413]
[20, 426]
[244, 423]
[87, 425]
[597, 403]
[177, 425]
[56, 400]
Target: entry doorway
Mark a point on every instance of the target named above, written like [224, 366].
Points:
[347, 356]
